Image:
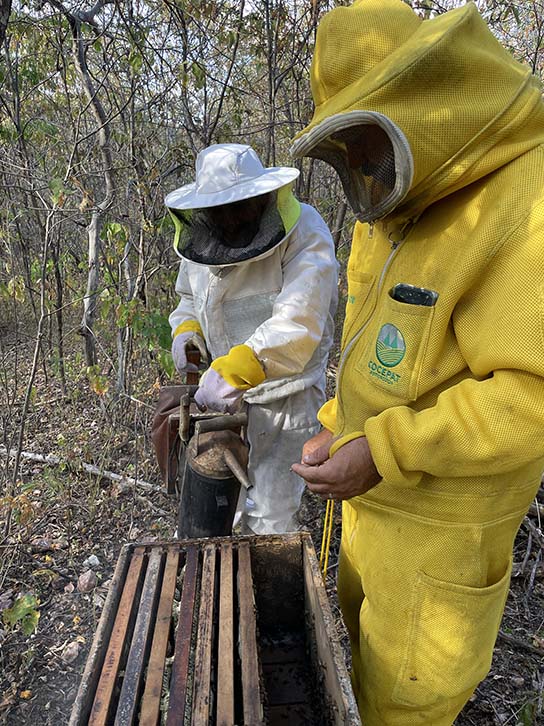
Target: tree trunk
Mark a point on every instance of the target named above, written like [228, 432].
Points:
[90, 299]
[5, 9]
[90, 302]
[59, 303]
[338, 226]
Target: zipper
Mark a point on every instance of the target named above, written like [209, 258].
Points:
[212, 282]
[395, 246]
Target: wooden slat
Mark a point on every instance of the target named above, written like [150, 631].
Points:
[251, 691]
[225, 665]
[108, 676]
[204, 644]
[179, 677]
[127, 705]
[330, 661]
[151, 699]
[192, 377]
[84, 699]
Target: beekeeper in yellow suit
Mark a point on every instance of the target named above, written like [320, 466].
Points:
[435, 439]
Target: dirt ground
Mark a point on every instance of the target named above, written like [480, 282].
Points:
[62, 517]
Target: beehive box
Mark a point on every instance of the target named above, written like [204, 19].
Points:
[226, 631]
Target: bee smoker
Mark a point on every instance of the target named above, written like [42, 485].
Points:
[213, 466]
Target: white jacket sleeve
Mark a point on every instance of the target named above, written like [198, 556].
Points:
[185, 310]
[286, 341]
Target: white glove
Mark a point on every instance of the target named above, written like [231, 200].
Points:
[215, 394]
[189, 340]
[222, 387]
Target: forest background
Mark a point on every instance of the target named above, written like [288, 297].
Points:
[103, 108]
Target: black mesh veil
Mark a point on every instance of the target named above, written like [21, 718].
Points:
[202, 240]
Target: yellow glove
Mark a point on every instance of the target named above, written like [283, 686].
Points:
[222, 386]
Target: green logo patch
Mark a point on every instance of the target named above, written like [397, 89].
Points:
[390, 345]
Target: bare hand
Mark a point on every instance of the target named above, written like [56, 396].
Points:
[350, 472]
[322, 440]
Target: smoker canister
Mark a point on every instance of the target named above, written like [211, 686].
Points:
[209, 488]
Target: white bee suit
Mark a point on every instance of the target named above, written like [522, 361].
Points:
[281, 305]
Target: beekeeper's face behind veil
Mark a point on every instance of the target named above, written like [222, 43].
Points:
[367, 148]
[236, 210]
[371, 161]
[238, 223]
[371, 156]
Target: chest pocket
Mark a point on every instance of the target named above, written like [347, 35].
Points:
[244, 315]
[394, 351]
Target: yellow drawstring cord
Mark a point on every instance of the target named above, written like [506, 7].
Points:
[326, 539]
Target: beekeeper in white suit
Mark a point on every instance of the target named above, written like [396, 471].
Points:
[258, 290]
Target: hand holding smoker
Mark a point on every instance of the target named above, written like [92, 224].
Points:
[210, 456]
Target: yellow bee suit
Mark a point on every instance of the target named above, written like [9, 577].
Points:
[450, 396]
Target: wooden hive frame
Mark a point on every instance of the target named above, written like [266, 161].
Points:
[255, 641]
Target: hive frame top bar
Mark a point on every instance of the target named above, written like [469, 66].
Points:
[278, 564]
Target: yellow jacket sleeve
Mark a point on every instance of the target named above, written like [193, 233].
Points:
[327, 415]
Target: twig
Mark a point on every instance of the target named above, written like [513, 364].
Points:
[51, 401]
[520, 643]
[124, 482]
[17, 453]
[527, 553]
[136, 400]
[537, 509]
[532, 576]
[537, 533]
[148, 503]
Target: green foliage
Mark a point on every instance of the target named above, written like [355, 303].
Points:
[128, 312]
[199, 74]
[58, 192]
[166, 363]
[154, 334]
[98, 382]
[36, 269]
[54, 483]
[528, 715]
[24, 614]
[135, 60]
[42, 131]
[515, 13]
[116, 234]
[151, 330]
[8, 132]
[154, 327]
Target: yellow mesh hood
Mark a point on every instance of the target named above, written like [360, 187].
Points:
[464, 105]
